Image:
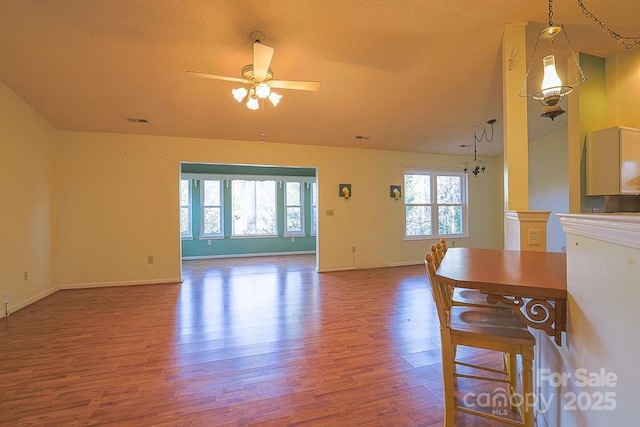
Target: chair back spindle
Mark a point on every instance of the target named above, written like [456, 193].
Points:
[441, 298]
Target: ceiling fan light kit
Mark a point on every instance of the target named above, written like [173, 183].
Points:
[259, 77]
[259, 90]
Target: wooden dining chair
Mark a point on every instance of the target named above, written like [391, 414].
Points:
[473, 298]
[485, 328]
[443, 246]
[461, 296]
[469, 298]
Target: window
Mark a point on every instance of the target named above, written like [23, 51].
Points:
[293, 215]
[253, 208]
[314, 208]
[449, 204]
[435, 204]
[185, 207]
[211, 206]
[417, 205]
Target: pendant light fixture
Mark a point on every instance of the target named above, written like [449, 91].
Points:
[552, 91]
[478, 166]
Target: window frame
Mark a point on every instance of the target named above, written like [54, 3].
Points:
[301, 206]
[227, 180]
[433, 192]
[189, 206]
[203, 235]
[313, 194]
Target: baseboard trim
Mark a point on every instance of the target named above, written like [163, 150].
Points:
[367, 267]
[404, 264]
[124, 283]
[330, 269]
[28, 301]
[188, 258]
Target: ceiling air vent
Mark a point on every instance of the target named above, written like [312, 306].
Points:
[136, 120]
[362, 137]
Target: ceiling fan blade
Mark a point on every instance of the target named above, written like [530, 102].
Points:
[295, 84]
[216, 77]
[262, 55]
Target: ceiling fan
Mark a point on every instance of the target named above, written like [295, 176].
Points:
[259, 77]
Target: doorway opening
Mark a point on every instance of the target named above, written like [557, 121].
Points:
[229, 212]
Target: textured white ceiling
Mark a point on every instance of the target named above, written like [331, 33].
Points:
[413, 75]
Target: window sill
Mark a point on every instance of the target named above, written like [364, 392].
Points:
[255, 236]
[186, 237]
[216, 237]
[424, 238]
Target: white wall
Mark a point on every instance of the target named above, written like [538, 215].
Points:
[496, 169]
[115, 202]
[26, 191]
[118, 203]
[549, 182]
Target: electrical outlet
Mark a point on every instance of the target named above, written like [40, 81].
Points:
[293, 239]
[150, 259]
[209, 242]
[25, 275]
[330, 212]
[353, 249]
[534, 237]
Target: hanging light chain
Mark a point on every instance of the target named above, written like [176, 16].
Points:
[573, 54]
[484, 135]
[627, 42]
[551, 13]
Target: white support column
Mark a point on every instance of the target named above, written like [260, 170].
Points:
[523, 229]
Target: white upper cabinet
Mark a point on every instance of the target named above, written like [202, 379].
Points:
[613, 161]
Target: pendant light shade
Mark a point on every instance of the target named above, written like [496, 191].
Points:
[551, 83]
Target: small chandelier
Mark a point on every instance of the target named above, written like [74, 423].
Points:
[552, 92]
[478, 166]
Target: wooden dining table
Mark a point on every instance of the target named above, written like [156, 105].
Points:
[533, 284]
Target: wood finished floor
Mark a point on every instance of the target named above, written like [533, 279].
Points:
[261, 341]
